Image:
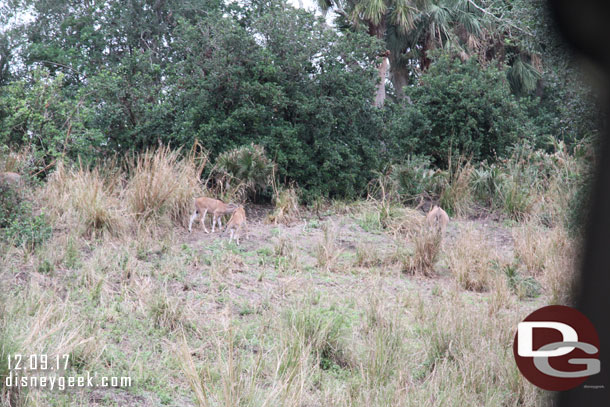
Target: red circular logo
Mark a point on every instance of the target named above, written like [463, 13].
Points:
[556, 348]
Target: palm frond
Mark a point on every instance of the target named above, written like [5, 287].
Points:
[439, 16]
[522, 77]
[402, 15]
[470, 22]
[371, 10]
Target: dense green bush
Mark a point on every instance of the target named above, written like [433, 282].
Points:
[467, 109]
[28, 230]
[18, 224]
[10, 205]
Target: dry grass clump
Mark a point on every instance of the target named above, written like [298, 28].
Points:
[560, 271]
[286, 209]
[404, 221]
[162, 184]
[16, 161]
[166, 312]
[368, 255]
[457, 194]
[83, 197]
[427, 249]
[551, 255]
[466, 358]
[533, 246]
[287, 257]
[326, 251]
[35, 322]
[471, 260]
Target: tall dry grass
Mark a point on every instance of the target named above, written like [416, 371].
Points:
[158, 186]
[82, 198]
[286, 206]
[426, 252]
[471, 259]
[457, 194]
[550, 255]
[327, 251]
[161, 183]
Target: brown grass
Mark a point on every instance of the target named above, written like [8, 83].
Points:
[470, 260]
[456, 196]
[427, 249]
[326, 251]
[286, 202]
[83, 198]
[550, 255]
[162, 184]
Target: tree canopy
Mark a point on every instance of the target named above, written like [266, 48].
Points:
[87, 79]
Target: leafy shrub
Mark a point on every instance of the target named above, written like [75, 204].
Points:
[468, 109]
[486, 182]
[28, 230]
[10, 205]
[245, 167]
[18, 225]
[415, 177]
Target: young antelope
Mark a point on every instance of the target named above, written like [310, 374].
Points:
[237, 221]
[203, 205]
[437, 219]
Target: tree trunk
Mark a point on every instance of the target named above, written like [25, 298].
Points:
[383, 70]
[378, 30]
[399, 75]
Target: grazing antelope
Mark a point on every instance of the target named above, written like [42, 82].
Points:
[237, 221]
[203, 205]
[437, 219]
[10, 178]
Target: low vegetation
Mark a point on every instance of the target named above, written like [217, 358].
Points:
[353, 303]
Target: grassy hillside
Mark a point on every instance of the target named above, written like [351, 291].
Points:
[336, 304]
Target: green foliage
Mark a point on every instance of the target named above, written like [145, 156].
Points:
[468, 110]
[18, 224]
[102, 77]
[415, 177]
[246, 166]
[305, 96]
[38, 111]
[524, 287]
[321, 331]
[27, 230]
[11, 205]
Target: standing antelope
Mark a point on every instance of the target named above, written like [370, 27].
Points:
[237, 221]
[215, 206]
[437, 219]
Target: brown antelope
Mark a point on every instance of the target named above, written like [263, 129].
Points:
[203, 205]
[437, 219]
[10, 179]
[237, 221]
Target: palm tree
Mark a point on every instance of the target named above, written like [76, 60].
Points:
[378, 16]
[412, 28]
